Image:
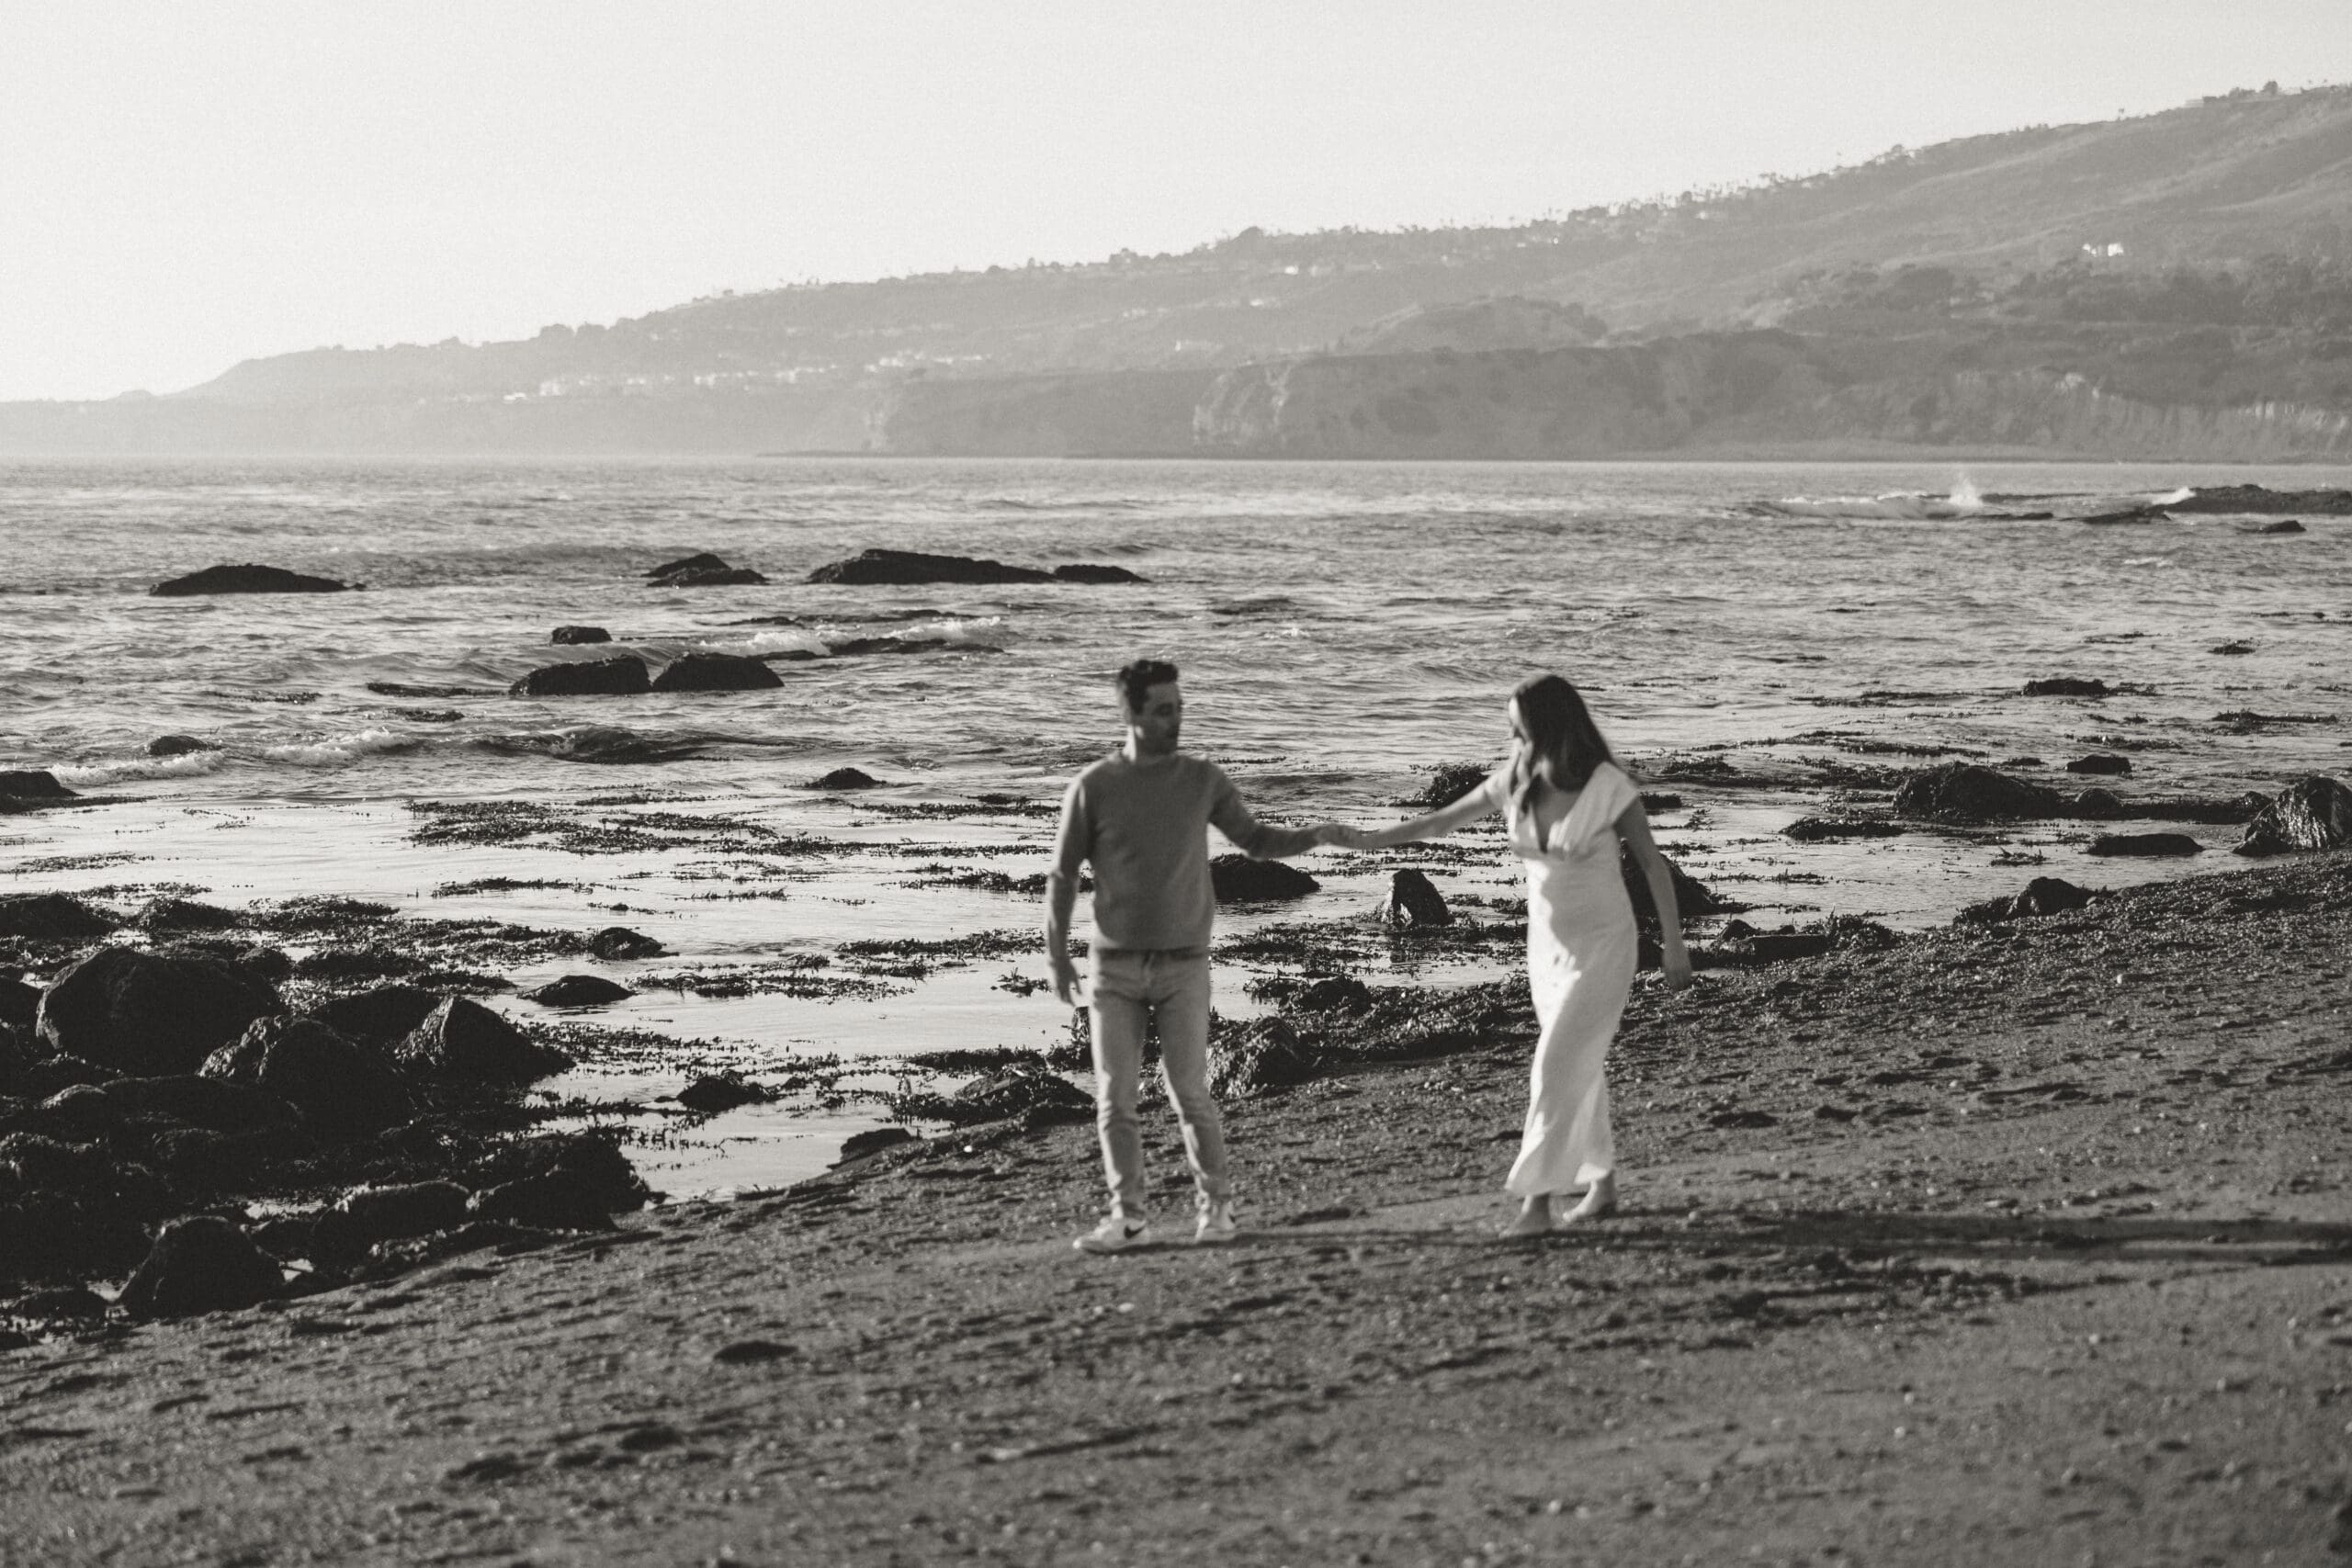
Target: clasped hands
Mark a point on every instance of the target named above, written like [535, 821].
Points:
[1343, 835]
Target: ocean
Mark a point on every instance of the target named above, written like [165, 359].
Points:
[1343, 630]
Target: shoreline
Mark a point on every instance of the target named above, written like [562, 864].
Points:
[1927, 1248]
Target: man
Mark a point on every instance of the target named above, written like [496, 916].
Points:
[1140, 814]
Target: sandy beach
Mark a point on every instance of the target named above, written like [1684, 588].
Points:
[2011, 1242]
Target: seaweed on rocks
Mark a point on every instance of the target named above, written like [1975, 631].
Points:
[1028, 1091]
[913, 958]
[715, 1092]
[803, 977]
[2043, 895]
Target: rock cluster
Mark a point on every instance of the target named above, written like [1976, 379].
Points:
[908, 567]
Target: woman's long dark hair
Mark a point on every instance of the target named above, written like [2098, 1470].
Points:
[1564, 745]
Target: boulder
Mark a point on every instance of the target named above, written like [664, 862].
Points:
[2144, 845]
[2100, 763]
[185, 915]
[177, 745]
[578, 991]
[2284, 525]
[461, 1039]
[2099, 806]
[703, 561]
[594, 1164]
[1823, 830]
[1966, 792]
[564, 636]
[381, 1018]
[148, 1014]
[904, 568]
[45, 1075]
[343, 1091]
[201, 1264]
[1450, 783]
[246, 579]
[712, 577]
[845, 778]
[2067, 686]
[2314, 813]
[619, 942]
[552, 1200]
[716, 673]
[1692, 898]
[1086, 571]
[192, 1099]
[1036, 1094]
[1239, 879]
[2040, 896]
[1413, 903]
[1264, 1053]
[77, 1113]
[37, 783]
[716, 1092]
[200, 1160]
[367, 1215]
[623, 677]
[52, 916]
[857, 1146]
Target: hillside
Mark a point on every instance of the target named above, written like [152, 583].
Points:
[2051, 246]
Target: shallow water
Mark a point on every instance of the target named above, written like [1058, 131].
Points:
[1342, 628]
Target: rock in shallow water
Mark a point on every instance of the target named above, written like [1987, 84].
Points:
[1239, 879]
[37, 783]
[2067, 686]
[246, 579]
[905, 567]
[2144, 845]
[203, 1263]
[573, 635]
[845, 778]
[619, 942]
[578, 991]
[1965, 792]
[461, 1039]
[722, 1092]
[2100, 763]
[623, 677]
[150, 1013]
[177, 745]
[716, 673]
[1413, 903]
[2314, 813]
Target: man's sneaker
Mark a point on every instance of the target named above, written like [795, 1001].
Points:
[1113, 1235]
[1217, 1226]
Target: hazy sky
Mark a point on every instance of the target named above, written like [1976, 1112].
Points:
[184, 185]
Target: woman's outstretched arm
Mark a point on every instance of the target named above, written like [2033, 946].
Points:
[1634, 826]
[1435, 824]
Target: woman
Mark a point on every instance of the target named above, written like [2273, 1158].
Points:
[1567, 805]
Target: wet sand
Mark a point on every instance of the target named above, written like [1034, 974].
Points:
[2011, 1243]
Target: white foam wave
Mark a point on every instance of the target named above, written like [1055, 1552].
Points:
[775, 642]
[188, 766]
[340, 749]
[979, 630]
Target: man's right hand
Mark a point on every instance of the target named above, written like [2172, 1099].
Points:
[1065, 980]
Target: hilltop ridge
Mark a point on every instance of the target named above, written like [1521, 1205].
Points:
[2015, 227]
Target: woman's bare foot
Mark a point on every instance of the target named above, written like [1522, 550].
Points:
[1534, 1218]
[1600, 1199]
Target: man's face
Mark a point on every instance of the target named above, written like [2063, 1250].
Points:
[1158, 724]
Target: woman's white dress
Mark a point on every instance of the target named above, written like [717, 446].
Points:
[1581, 960]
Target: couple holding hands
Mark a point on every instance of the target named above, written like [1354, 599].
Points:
[1139, 817]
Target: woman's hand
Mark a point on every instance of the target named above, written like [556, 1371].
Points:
[1342, 835]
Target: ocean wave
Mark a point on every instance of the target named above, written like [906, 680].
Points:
[340, 749]
[1269, 605]
[760, 643]
[188, 766]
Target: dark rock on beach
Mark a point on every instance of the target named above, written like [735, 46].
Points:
[37, 783]
[246, 579]
[857, 1146]
[2314, 813]
[573, 635]
[1082, 571]
[1237, 879]
[368, 1215]
[845, 778]
[619, 942]
[906, 568]
[1264, 1053]
[1966, 792]
[552, 1200]
[2100, 763]
[1448, 784]
[177, 745]
[623, 677]
[201, 1264]
[52, 916]
[2043, 895]
[461, 1039]
[578, 991]
[1692, 898]
[149, 1012]
[160, 915]
[715, 1092]
[344, 1091]
[381, 1018]
[2068, 686]
[716, 673]
[2144, 845]
[2099, 806]
[1413, 903]
[587, 1161]
[1822, 829]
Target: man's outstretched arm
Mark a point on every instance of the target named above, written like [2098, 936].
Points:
[1061, 896]
[1256, 839]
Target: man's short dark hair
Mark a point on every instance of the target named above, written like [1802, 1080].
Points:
[1137, 679]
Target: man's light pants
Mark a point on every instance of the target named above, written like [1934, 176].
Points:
[1129, 987]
